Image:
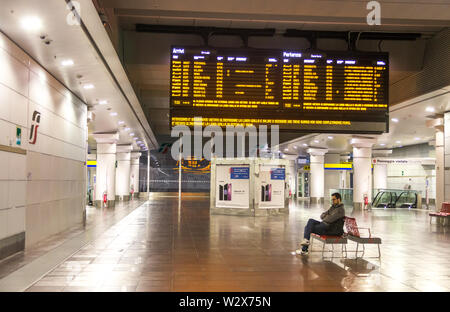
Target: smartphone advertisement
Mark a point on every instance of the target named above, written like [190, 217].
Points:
[232, 186]
[271, 188]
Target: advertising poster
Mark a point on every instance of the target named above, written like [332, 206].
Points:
[270, 192]
[232, 186]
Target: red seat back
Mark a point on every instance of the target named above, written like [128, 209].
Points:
[445, 207]
[351, 227]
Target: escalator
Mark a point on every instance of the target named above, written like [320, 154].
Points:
[384, 199]
[395, 199]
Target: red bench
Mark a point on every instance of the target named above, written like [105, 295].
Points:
[354, 235]
[443, 214]
[330, 240]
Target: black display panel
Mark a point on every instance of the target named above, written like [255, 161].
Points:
[301, 91]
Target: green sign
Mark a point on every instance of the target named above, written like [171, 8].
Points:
[18, 135]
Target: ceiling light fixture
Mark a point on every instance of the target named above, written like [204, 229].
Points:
[330, 137]
[430, 109]
[127, 129]
[417, 139]
[113, 114]
[103, 102]
[67, 63]
[382, 144]
[88, 86]
[121, 122]
[304, 144]
[31, 23]
[316, 141]
[394, 119]
[398, 142]
[132, 134]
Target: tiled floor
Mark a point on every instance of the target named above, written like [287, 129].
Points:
[163, 247]
[15, 270]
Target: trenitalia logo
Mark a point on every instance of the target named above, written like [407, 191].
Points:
[34, 126]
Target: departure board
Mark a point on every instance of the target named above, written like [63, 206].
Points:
[304, 91]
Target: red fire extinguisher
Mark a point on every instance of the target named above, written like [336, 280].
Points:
[366, 201]
[105, 198]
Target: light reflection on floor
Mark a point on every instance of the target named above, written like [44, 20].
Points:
[156, 248]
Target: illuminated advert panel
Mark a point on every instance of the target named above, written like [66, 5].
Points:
[301, 91]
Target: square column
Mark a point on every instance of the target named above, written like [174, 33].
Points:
[442, 128]
[362, 170]
[332, 177]
[317, 185]
[123, 170]
[134, 173]
[380, 169]
[344, 177]
[106, 167]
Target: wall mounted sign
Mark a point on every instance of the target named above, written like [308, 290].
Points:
[240, 172]
[277, 174]
[18, 136]
[35, 121]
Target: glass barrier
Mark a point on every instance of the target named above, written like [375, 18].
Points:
[385, 198]
[346, 194]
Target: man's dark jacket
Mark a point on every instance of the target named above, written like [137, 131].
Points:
[334, 218]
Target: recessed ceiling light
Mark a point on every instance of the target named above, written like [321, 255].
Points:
[430, 109]
[286, 150]
[139, 142]
[31, 23]
[316, 141]
[88, 86]
[330, 137]
[127, 129]
[136, 138]
[42, 76]
[132, 134]
[121, 122]
[103, 102]
[67, 63]
[398, 142]
[417, 139]
[394, 119]
[382, 144]
[113, 114]
[295, 146]
[304, 144]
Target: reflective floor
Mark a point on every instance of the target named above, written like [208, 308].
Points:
[163, 247]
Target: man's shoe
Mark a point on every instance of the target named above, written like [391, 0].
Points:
[305, 242]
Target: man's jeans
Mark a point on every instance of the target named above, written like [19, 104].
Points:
[314, 226]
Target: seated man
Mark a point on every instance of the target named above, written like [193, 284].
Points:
[332, 223]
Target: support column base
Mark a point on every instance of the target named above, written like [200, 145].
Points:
[316, 200]
[122, 197]
[358, 206]
[99, 203]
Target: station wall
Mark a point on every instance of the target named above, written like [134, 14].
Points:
[42, 176]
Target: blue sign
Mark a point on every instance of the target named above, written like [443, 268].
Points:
[277, 174]
[240, 172]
